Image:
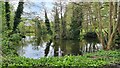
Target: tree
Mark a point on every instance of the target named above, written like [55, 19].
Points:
[7, 10]
[61, 7]
[18, 15]
[76, 23]
[57, 24]
[112, 28]
[64, 29]
[38, 32]
[61, 4]
[113, 34]
[47, 23]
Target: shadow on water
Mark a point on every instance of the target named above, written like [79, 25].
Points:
[33, 49]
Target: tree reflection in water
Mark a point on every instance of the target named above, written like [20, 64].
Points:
[48, 47]
[56, 48]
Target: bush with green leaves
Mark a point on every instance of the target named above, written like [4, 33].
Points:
[98, 59]
[15, 37]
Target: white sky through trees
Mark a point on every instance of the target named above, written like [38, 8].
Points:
[35, 9]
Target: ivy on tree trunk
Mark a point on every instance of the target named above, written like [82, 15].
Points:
[47, 23]
[7, 10]
[17, 17]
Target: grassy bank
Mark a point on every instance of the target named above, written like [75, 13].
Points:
[97, 59]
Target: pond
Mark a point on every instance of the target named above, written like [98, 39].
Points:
[31, 49]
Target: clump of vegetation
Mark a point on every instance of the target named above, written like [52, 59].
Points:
[97, 59]
[15, 37]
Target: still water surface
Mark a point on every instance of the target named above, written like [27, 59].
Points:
[31, 49]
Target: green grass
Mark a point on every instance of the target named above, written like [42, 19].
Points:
[97, 59]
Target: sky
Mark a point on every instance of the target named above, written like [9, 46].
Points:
[36, 8]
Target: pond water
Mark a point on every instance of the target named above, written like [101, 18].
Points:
[31, 49]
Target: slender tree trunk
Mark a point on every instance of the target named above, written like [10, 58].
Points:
[115, 13]
[111, 20]
[118, 18]
[101, 37]
[110, 41]
[119, 28]
[87, 21]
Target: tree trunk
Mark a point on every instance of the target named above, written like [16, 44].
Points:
[118, 19]
[101, 37]
[109, 44]
[119, 29]
[111, 19]
[110, 41]
[115, 13]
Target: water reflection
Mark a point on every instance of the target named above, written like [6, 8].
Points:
[48, 47]
[31, 49]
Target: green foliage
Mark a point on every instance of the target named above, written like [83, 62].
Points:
[47, 23]
[8, 42]
[8, 51]
[38, 29]
[6, 33]
[23, 29]
[17, 17]
[97, 59]
[8, 37]
[8, 48]
[3, 17]
[7, 10]
[76, 23]
[63, 23]
[57, 24]
[15, 37]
